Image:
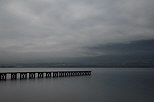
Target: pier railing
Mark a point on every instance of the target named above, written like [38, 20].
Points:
[43, 74]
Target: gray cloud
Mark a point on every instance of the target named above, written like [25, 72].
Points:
[46, 29]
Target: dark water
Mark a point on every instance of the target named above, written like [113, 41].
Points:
[105, 85]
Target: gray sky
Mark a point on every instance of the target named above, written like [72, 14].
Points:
[60, 29]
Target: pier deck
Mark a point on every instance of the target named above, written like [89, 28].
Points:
[42, 74]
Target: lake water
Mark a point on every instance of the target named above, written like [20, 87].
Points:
[104, 85]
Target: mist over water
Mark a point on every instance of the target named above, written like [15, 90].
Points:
[104, 85]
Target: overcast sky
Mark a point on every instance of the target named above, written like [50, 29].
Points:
[61, 29]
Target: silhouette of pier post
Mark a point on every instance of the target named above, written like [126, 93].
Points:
[13, 76]
[23, 75]
[31, 75]
[48, 74]
[3, 76]
[59, 74]
[55, 74]
[40, 74]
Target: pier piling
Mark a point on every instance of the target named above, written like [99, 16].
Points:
[2, 76]
[23, 75]
[32, 75]
[40, 74]
[13, 76]
[48, 74]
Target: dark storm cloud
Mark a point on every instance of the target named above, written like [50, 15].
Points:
[142, 48]
[46, 29]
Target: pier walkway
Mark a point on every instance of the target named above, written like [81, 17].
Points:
[42, 74]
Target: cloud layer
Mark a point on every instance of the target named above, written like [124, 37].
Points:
[53, 29]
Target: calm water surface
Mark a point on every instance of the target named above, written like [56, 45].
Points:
[105, 85]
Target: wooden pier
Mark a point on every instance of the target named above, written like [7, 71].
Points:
[46, 74]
